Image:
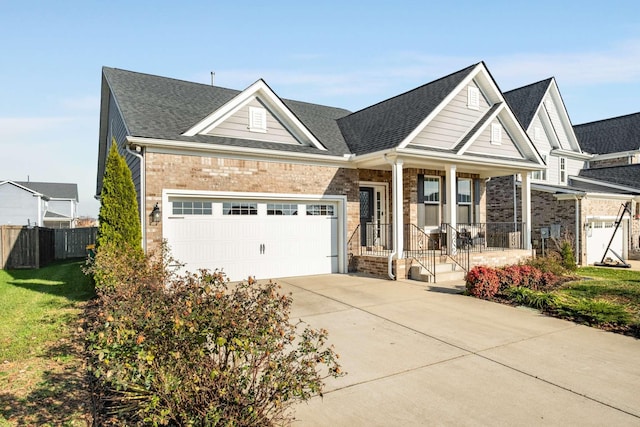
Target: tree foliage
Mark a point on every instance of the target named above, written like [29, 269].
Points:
[119, 220]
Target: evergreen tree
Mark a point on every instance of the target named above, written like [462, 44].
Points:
[119, 220]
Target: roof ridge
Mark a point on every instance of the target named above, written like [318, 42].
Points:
[414, 89]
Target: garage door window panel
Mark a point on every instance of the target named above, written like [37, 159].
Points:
[282, 209]
[239, 208]
[191, 208]
[320, 210]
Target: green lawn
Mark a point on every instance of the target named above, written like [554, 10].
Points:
[41, 365]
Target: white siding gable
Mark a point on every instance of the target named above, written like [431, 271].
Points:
[239, 125]
[483, 144]
[454, 121]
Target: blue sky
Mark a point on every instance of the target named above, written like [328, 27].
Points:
[339, 53]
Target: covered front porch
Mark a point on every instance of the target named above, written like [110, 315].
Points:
[417, 214]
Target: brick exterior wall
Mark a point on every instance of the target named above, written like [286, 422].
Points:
[220, 174]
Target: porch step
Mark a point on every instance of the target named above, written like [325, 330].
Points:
[445, 272]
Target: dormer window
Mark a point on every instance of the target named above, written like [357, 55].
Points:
[257, 119]
[473, 98]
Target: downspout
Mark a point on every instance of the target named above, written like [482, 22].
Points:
[142, 206]
[394, 252]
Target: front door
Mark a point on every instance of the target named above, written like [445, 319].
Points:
[366, 214]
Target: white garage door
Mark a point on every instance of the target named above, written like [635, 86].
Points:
[598, 237]
[254, 238]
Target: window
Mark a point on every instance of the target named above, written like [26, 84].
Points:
[496, 133]
[431, 189]
[320, 210]
[282, 209]
[429, 211]
[563, 170]
[191, 208]
[465, 199]
[473, 98]
[257, 119]
[239, 208]
[541, 175]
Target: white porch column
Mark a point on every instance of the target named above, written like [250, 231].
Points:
[526, 209]
[451, 215]
[398, 211]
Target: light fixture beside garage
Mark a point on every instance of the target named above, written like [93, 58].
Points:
[156, 215]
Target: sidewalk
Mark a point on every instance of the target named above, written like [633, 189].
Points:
[416, 357]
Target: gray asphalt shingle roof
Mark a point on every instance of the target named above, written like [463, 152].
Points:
[612, 135]
[524, 101]
[386, 124]
[628, 175]
[53, 190]
[164, 108]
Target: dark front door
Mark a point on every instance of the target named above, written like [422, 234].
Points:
[366, 213]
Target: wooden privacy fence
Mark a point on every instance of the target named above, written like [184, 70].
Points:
[35, 247]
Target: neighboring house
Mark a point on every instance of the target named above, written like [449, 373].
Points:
[269, 187]
[566, 205]
[615, 145]
[43, 204]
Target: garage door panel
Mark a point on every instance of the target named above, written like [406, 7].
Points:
[598, 237]
[264, 246]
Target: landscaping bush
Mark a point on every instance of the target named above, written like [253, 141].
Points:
[482, 282]
[198, 350]
[552, 263]
[531, 298]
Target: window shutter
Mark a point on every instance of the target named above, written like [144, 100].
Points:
[420, 188]
[443, 190]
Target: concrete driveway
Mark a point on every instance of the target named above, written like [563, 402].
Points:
[417, 357]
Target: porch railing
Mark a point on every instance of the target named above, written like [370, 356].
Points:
[419, 246]
[490, 236]
[455, 245]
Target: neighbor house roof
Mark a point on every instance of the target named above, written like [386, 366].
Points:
[627, 175]
[53, 190]
[386, 124]
[526, 100]
[165, 108]
[614, 135]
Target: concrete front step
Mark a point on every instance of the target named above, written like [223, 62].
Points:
[445, 272]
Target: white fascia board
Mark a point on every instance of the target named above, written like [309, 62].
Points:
[481, 129]
[570, 154]
[440, 107]
[413, 154]
[246, 96]
[176, 147]
[606, 184]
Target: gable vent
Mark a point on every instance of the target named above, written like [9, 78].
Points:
[473, 98]
[257, 119]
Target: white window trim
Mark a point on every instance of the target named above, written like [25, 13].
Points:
[496, 134]
[257, 119]
[473, 98]
[562, 166]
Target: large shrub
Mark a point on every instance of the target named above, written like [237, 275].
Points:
[482, 282]
[198, 350]
[119, 221]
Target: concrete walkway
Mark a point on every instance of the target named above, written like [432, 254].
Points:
[418, 357]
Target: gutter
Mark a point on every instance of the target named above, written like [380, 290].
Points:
[394, 253]
[143, 224]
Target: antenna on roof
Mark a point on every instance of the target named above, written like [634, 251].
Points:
[213, 77]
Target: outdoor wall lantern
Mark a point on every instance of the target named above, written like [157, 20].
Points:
[156, 215]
